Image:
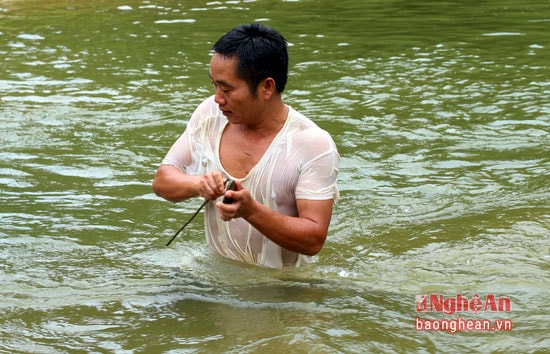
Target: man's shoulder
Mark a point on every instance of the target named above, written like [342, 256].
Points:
[208, 105]
[304, 126]
[205, 111]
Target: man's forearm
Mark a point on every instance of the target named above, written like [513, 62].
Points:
[172, 184]
[296, 234]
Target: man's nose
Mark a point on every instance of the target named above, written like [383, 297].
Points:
[219, 97]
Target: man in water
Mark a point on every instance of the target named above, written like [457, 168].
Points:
[284, 165]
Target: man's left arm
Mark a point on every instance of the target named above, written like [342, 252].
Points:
[304, 234]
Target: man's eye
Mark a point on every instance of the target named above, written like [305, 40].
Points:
[222, 88]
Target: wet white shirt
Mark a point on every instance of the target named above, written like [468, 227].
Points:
[301, 163]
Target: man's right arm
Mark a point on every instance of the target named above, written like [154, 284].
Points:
[174, 185]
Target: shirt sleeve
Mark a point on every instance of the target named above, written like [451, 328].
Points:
[318, 177]
[187, 153]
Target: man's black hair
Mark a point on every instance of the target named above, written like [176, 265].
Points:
[261, 53]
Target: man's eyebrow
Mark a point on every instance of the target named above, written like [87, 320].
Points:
[219, 82]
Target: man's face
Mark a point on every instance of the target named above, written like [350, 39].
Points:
[233, 94]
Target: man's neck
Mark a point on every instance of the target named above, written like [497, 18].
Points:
[272, 120]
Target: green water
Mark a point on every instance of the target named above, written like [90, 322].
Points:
[441, 113]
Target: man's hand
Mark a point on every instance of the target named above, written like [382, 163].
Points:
[211, 185]
[242, 204]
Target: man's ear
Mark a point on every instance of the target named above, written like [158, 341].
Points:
[267, 88]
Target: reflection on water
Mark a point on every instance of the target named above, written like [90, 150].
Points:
[441, 115]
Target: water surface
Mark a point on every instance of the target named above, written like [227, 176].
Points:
[441, 114]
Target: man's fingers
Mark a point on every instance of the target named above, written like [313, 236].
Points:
[211, 185]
